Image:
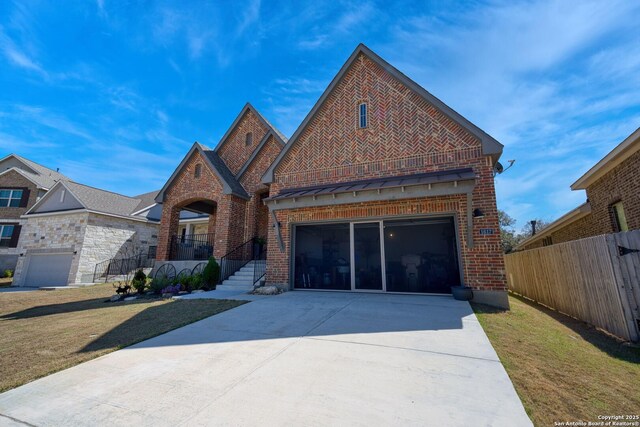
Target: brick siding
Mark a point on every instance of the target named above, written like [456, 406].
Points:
[186, 189]
[13, 179]
[234, 152]
[620, 184]
[251, 180]
[405, 134]
[235, 220]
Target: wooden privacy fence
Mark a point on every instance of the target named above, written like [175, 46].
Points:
[596, 280]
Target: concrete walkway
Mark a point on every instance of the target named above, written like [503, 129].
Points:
[301, 358]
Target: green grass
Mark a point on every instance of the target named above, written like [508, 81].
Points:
[562, 368]
[42, 332]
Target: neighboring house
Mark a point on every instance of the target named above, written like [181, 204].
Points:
[73, 227]
[613, 199]
[382, 188]
[22, 183]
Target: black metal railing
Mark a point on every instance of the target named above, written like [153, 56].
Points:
[259, 266]
[239, 257]
[191, 247]
[115, 267]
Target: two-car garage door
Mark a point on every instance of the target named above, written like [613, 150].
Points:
[51, 269]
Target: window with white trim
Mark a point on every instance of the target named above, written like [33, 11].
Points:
[10, 198]
[6, 231]
[362, 116]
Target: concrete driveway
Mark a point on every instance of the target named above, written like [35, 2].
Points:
[301, 358]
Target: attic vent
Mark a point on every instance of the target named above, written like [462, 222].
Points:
[249, 139]
[198, 171]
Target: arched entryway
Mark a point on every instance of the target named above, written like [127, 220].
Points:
[188, 230]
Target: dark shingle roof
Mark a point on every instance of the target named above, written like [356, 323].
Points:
[103, 201]
[273, 128]
[44, 177]
[225, 173]
[146, 199]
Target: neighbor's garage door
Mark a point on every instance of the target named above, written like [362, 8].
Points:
[48, 269]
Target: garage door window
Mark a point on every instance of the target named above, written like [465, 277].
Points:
[6, 231]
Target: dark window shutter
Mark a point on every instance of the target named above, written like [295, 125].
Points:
[25, 198]
[13, 243]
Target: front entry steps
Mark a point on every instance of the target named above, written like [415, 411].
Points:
[241, 280]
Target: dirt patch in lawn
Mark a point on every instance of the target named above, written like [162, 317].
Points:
[42, 332]
[563, 369]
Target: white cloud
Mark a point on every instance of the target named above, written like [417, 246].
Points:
[18, 57]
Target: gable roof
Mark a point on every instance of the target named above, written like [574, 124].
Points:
[255, 153]
[490, 146]
[566, 219]
[93, 199]
[41, 176]
[622, 152]
[229, 182]
[146, 200]
[248, 107]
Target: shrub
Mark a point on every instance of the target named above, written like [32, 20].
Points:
[211, 274]
[139, 281]
[196, 281]
[187, 283]
[8, 273]
[158, 284]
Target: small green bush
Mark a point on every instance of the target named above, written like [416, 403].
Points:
[187, 283]
[139, 281]
[157, 285]
[211, 274]
[8, 273]
[196, 281]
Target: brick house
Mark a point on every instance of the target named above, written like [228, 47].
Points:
[223, 183]
[22, 183]
[613, 199]
[382, 188]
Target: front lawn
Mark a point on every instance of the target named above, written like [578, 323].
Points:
[42, 332]
[562, 369]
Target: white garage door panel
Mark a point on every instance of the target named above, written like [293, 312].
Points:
[48, 269]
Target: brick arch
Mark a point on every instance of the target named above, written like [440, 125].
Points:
[186, 189]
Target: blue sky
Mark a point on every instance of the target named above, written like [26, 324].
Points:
[114, 92]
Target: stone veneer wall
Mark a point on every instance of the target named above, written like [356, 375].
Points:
[51, 233]
[93, 237]
[110, 237]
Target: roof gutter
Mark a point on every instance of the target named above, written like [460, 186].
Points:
[622, 152]
[566, 219]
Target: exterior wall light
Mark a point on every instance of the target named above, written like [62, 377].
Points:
[477, 213]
